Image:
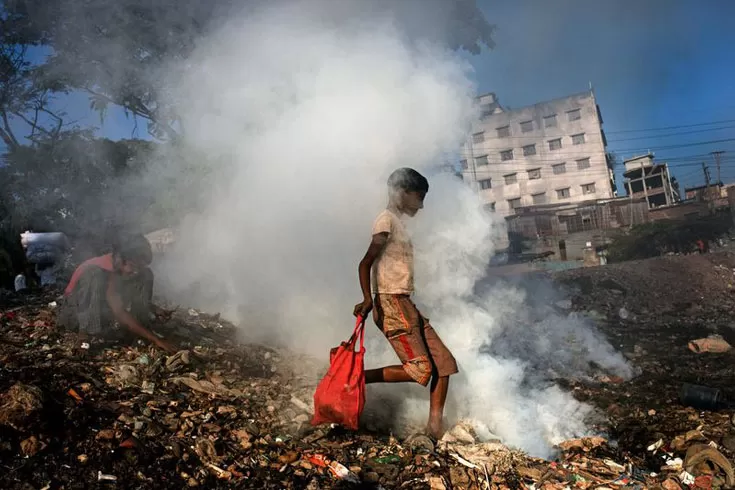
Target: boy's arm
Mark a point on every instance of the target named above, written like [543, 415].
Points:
[122, 316]
[373, 252]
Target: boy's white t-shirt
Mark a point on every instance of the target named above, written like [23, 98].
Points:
[393, 269]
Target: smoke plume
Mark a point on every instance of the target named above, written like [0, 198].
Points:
[306, 118]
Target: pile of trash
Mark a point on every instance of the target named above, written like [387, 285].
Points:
[223, 414]
[669, 285]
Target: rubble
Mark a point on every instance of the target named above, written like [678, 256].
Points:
[225, 414]
[20, 405]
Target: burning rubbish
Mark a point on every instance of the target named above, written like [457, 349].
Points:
[240, 416]
[577, 391]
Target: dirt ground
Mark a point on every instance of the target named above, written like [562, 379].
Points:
[227, 415]
[669, 301]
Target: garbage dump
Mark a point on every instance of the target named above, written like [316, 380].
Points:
[223, 413]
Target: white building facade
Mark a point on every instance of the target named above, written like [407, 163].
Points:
[548, 153]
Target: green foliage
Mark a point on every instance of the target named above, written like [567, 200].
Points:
[55, 184]
[25, 91]
[661, 237]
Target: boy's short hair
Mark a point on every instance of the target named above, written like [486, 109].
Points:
[409, 180]
[134, 248]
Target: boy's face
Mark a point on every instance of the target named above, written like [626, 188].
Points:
[413, 201]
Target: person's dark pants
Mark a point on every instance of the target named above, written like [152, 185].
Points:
[86, 308]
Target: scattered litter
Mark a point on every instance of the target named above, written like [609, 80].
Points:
[134, 413]
[102, 477]
[713, 344]
[73, 393]
[655, 446]
[686, 478]
[20, 406]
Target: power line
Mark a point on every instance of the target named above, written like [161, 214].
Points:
[668, 135]
[494, 160]
[510, 167]
[663, 128]
[633, 150]
[548, 137]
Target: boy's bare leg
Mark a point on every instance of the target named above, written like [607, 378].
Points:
[388, 374]
[439, 387]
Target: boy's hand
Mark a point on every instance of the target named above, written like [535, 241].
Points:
[362, 309]
[165, 346]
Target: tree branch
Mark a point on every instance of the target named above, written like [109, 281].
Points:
[6, 133]
[59, 121]
[34, 126]
[137, 108]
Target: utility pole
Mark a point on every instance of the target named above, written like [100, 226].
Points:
[645, 189]
[717, 154]
[707, 190]
[706, 175]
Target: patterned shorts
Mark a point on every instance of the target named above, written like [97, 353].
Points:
[417, 344]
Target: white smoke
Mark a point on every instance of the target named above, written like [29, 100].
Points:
[307, 119]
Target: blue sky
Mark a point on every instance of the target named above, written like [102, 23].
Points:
[652, 63]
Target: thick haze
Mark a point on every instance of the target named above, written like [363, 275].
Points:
[653, 64]
[306, 118]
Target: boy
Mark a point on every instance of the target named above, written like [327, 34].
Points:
[390, 257]
[102, 289]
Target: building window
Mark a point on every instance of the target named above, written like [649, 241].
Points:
[588, 188]
[478, 137]
[510, 179]
[486, 110]
[485, 184]
[583, 163]
[529, 150]
[539, 198]
[562, 193]
[527, 126]
[574, 115]
[506, 155]
[463, 163]
[490, 207]
[503, 132]
[534, 174]
[559, 168]
[514, 203]
[555, 144]
[550, 121]
[578, 139]
[481, 160]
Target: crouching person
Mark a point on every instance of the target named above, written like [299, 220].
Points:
[117, 287]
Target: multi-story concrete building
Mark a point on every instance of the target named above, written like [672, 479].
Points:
[645, 179]
[551, 152]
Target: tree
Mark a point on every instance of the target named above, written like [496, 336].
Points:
[115, 50]
[25, 92]
[72, 181]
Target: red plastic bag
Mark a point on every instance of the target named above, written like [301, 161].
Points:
[340, 395]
